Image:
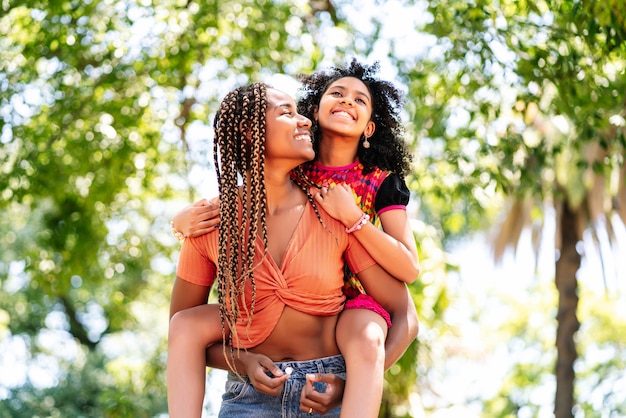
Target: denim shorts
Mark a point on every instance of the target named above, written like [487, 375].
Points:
[240, 399]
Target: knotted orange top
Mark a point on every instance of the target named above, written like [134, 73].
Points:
[309, 279]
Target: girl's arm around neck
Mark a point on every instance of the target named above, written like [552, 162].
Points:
[393, 247]
[198, 218]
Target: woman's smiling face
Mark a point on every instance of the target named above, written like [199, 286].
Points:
[287, 131]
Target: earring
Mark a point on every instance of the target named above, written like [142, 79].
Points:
[366, 143]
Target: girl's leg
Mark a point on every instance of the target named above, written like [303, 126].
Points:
[361, 337]
[190, 332]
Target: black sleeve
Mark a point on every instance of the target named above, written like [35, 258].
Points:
[392, 192]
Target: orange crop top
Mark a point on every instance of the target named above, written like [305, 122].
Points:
[310, 278]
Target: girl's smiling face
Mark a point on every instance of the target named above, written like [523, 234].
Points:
[346, 109]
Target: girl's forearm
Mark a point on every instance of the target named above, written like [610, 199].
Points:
[389, 253]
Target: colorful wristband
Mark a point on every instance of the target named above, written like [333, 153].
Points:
[177, 234]
[359, 224]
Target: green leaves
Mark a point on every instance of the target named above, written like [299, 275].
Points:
[105, 110]
[99, 103]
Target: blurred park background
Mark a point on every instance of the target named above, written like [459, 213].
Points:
[516, 114]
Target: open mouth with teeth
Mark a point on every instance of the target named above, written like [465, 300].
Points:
[343, 114]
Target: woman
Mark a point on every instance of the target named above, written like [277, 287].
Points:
[278, 264]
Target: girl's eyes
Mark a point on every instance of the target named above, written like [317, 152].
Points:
[338, 94]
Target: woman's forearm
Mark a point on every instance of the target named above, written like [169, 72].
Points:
[217, 355]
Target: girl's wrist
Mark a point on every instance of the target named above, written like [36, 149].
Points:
[177, 234]
[349, 218]
[359, 223]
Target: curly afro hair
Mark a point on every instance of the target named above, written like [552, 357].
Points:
[388, 149]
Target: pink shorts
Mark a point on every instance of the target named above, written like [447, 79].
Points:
[362, 301]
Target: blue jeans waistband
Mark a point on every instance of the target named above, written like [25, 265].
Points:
[241, 400]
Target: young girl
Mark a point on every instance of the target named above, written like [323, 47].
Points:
[274, 302]
[360, 155]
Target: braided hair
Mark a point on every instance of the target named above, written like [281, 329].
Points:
[239, 154]
[388, 150]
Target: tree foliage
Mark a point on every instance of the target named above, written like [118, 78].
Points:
[104, 113]
[517, 97]
[521, 104]
[97, 99]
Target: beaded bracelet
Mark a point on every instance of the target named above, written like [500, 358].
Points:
[177, 234]
[359, 224]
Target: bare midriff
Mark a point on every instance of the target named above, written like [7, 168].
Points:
[298, 336]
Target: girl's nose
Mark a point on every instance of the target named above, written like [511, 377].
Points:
[346, 100]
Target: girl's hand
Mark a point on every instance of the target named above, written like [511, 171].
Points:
[198, 218]
[338, 202]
